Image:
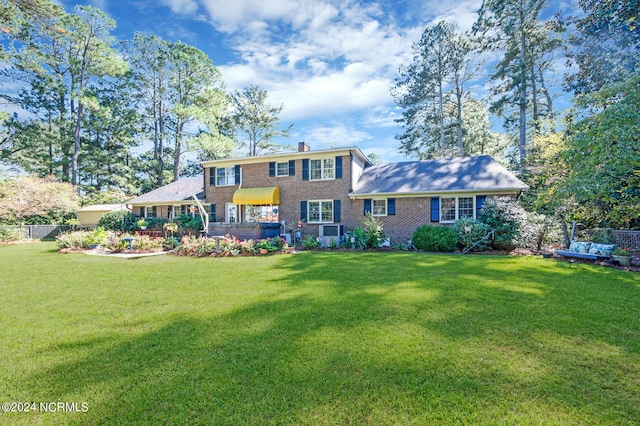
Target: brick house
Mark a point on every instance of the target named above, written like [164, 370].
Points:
[329, 191]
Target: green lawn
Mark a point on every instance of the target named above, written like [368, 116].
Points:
[318, 338]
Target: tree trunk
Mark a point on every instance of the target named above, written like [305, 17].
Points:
[523, 94]
[534, 99]
[76, 147]
[461, 152]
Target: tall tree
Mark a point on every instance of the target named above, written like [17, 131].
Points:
[605, 44]
[508, 26]
[427, 89]
[148, 56]
[197, 97]
[255, 117]
[89, 55]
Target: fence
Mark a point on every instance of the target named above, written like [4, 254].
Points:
[42, 232]
[630, 239]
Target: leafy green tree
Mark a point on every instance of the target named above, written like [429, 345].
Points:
[148, 56]
[197, 98]
[602, 158]
[89, 55]
[256, 118]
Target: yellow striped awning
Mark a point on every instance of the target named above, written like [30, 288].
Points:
[257, 196]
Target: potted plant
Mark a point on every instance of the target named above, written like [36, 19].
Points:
[142, 224]
[622, 256]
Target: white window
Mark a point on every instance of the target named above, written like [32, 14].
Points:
[151, 211]
[322, 169]
[454, 208]
[320, 211]
[282, 169]
[225, 176]
[379, 207]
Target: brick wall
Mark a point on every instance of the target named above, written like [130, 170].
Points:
[293, 190]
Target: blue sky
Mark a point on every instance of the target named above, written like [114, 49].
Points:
[331, 63]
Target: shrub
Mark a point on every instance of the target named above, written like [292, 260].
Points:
[506, 217]
[434, 238]
[11, 233]
[534, 231]
[310, 241]
[119, 220]
[96, 237]
[360, 237]
[477, 231]
[374, 233]
[72, 240]
[189, 223]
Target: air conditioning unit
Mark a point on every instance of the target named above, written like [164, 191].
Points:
[336, 231]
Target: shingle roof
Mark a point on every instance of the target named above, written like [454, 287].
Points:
[180, 190]
[443, 175]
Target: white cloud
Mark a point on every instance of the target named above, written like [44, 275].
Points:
[182, 7]
[462, 13]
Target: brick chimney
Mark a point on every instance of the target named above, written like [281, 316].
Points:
[303, 147]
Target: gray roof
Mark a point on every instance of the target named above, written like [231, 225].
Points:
[463, 174]
[180, 190]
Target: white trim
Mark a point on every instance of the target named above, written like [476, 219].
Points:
[320, 221]
[386, 206]
[287, 168]
[456, 207]
[322, 168]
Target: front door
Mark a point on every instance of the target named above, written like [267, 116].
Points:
[231, 212]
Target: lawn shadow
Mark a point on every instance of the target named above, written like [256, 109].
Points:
[336, 346]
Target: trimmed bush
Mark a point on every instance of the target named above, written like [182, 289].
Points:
[435, 238]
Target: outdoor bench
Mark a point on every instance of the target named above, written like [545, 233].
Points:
[588, 250]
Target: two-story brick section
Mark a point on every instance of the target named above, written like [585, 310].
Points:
[328, 192]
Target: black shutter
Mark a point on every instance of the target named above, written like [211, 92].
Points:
[237, 173]
[305, 169]
[272, 168]
[479, 203]
[212, 213]
[435, 209]
[367, 205]
[212, 176]
[336, 210]
[292, 167]
[338, 167]
[141, 211]
[303, 210]
[391, 206]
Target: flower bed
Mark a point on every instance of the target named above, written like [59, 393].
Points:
[228, 246]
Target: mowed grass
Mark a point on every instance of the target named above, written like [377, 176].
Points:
[318, 338]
